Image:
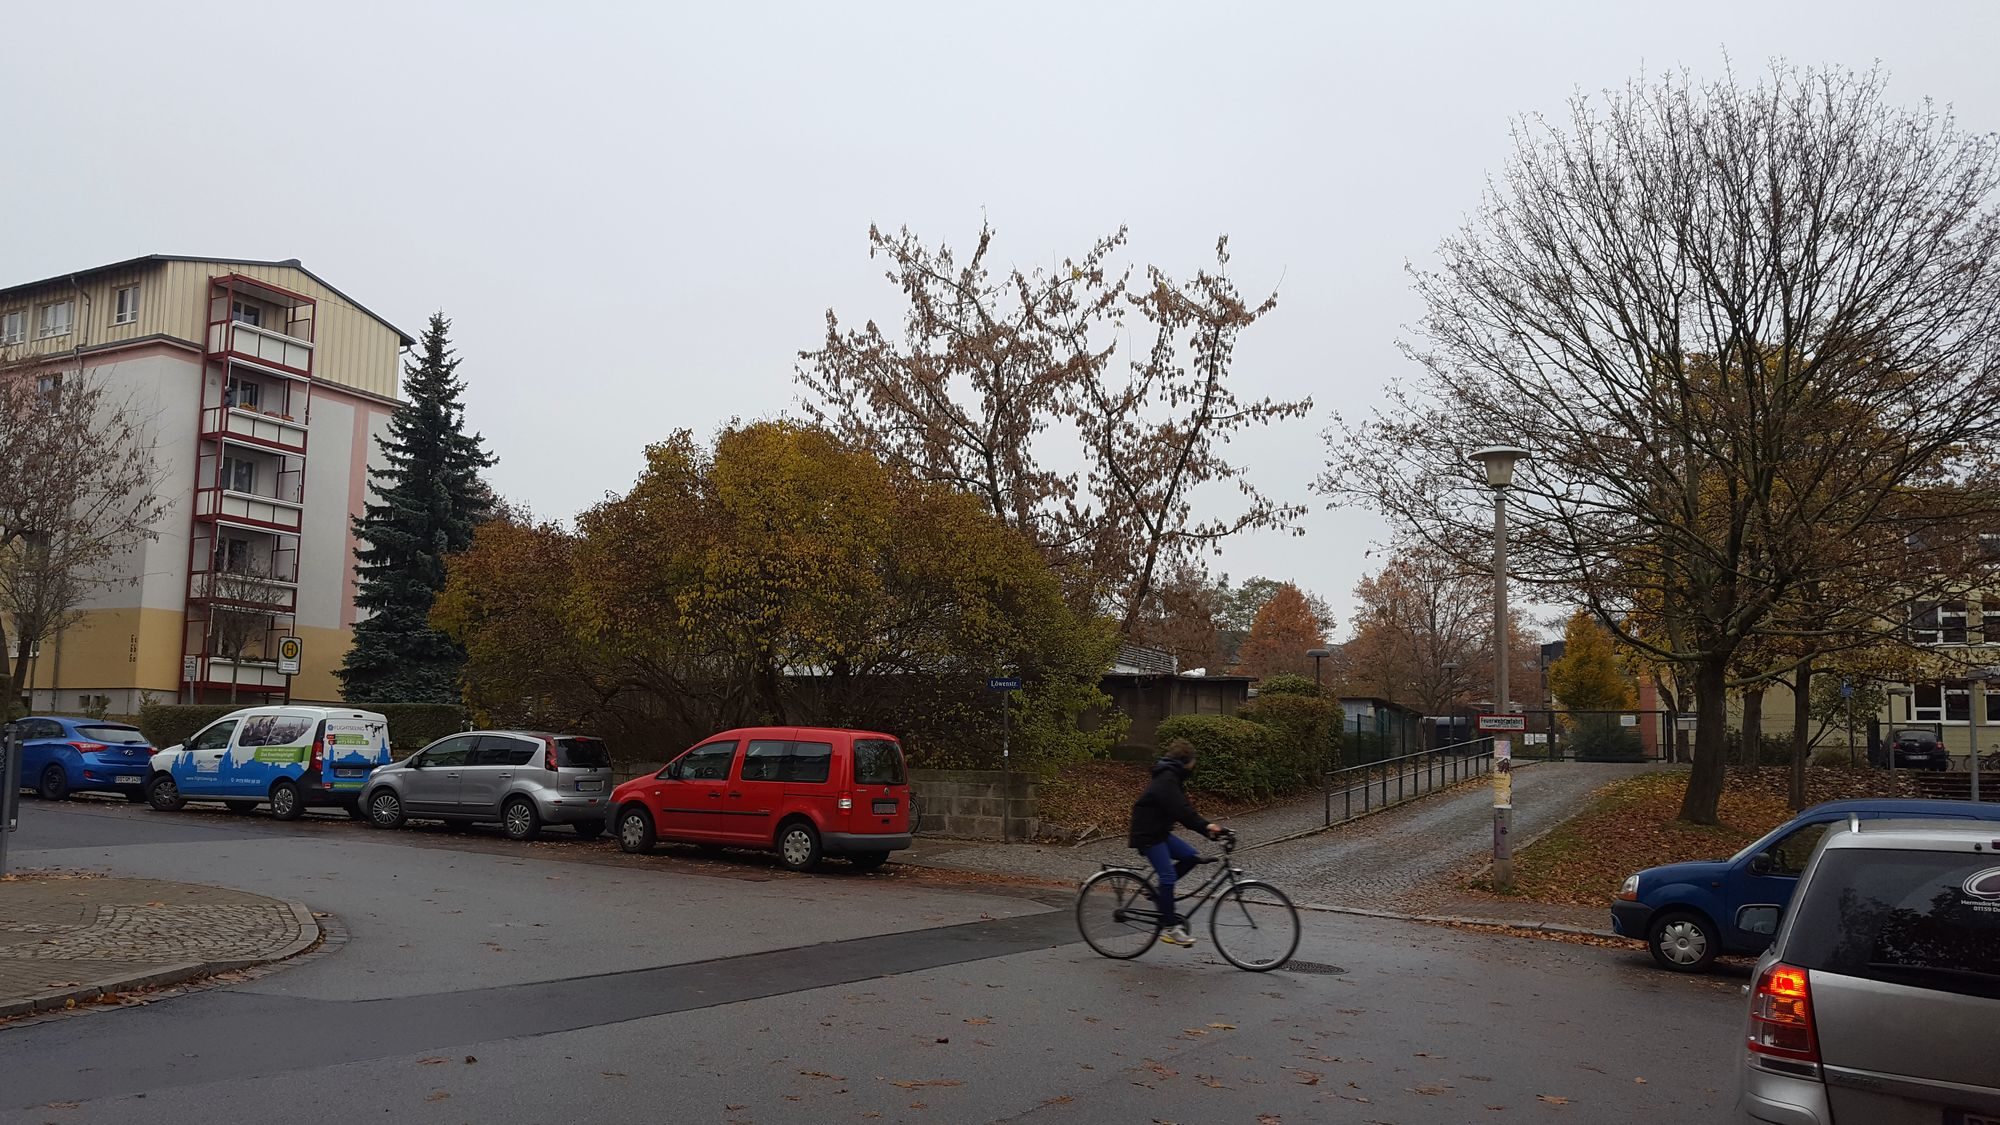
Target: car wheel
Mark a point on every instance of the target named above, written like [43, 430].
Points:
[287, 803]
[635, 831]
[1682, 941]
[868, 861]
[385, 809]
[241, 808]
[54, 784]
[520, 820]
[163, 794]
[798, 846]
[588, 829]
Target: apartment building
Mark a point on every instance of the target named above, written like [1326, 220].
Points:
[265, 388]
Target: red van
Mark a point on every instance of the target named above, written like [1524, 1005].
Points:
[803, 792]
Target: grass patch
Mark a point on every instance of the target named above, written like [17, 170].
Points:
[1633, 824]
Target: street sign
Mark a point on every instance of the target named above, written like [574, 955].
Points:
[1847, 689]
[289, 652]
[190, 668]
[1685, 722]
[1503, 722]
[1004, 683]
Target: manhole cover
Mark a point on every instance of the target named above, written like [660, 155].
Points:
[1316, 968]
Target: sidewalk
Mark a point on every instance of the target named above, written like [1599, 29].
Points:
[67, 938]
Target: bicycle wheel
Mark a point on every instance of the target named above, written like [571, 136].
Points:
[1255, 926]
[1116, 915]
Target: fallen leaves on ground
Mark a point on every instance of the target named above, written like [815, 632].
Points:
[1634, 824]
[1098, 796]
[919, 1083]
[1552, 1099]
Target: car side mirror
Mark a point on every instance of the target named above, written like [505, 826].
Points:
[674, 770]
[1761, 920]
[417, 762]
[1760, 864]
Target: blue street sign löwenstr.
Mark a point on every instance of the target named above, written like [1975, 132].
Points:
[1004, 683]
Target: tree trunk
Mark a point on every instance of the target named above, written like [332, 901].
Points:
[1801, 741]
[1711, 729]
[7, 679]
[1752, 750]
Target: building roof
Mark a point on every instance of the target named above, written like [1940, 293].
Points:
[288, 263]
[1143, 660]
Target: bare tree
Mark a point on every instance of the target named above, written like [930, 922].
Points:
[990, 368]
[1424, 634]
[79, 487]
[1751, 336]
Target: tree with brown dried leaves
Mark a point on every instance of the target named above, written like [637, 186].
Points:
[1751, 335]
[1285, 630]
[988, 366]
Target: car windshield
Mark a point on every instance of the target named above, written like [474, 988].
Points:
[1915, 736]
[117, 736]
[877, 761]
[583, 753]
[1925, 919]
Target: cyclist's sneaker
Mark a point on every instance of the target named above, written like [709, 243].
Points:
[1177, 935]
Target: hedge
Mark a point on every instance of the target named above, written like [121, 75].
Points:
[1601, 738]
[411, 725]
[1274, 747]
[1309, 739]
[1230, 752]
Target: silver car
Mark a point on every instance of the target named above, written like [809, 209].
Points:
[520, 780]
[1879, 1002]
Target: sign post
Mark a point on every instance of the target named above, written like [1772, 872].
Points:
[190, 669]
[289, 652]
[1005, 686]
[1503, 813]
[10, 786]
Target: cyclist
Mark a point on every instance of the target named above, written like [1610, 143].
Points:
[1154, 815]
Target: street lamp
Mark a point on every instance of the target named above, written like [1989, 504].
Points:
[1450, 670]
[1895, 692]
[1498, 461]
[1318, 654]
[1979, 677]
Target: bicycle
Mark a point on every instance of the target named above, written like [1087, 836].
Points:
[1117, 915]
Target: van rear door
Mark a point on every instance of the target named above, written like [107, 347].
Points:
[881, 787]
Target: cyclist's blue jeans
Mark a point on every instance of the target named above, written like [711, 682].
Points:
[1163, 857]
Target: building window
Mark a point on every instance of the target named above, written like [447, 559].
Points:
[14, 327]
[127, 309]
[232, 556]
[239, 475]
[242, 312]
[1939, 623]
[56, 320]
[1948, 702]
[1951, 620]
[243, 393]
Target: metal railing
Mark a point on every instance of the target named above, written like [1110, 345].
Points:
[1412, 776]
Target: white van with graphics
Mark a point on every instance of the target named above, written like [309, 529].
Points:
[294, 757]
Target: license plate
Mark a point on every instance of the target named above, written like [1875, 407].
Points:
[129, 779]
[885, 807]
[589, 786]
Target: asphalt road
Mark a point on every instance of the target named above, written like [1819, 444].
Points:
[494, 983]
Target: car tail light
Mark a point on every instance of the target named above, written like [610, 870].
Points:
[318, 763]
[1781, 1018]
[88, 747]
[844, 804]
[549, 754]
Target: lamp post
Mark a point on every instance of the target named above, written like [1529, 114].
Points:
[1450, 670]
[1318, 654]
[1895, 692]
[1498, 461]
[1979, 678]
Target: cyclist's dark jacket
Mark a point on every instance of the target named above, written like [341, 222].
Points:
[1162, 805]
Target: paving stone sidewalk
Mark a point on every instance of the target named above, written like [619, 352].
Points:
[68, 937]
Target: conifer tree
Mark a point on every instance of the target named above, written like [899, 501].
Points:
[425, 502]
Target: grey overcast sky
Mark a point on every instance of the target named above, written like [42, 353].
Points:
[636, 214]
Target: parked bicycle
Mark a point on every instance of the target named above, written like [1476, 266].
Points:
[1253, 924]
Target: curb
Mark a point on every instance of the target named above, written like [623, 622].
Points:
[1511, 923]
[1518, 766]
[153, 977]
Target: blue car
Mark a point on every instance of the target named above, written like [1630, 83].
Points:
[1688, 913]
[62, 756]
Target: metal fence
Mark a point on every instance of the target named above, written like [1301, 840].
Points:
[1363, 788]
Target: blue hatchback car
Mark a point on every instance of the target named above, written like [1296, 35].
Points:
[1687, 913]
[60, 756]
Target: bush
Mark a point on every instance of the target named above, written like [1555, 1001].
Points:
[1601, 738]
[1835, 758]
[1287, 683]
[411, 725]
[1308, 738]
[1232, 753]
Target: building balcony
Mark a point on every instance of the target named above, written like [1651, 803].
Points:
[243, 509]
[277, 595]
[254, 428]
[263, 347]
[251, 672]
